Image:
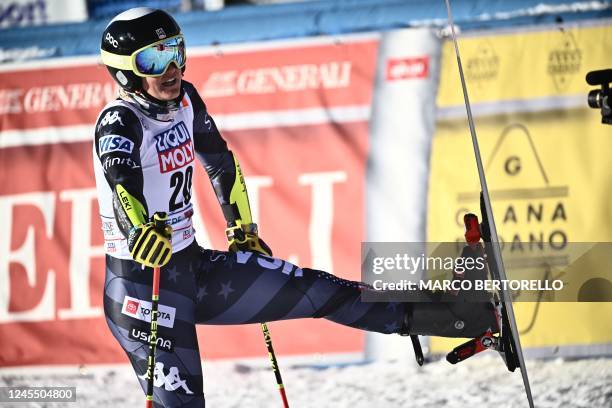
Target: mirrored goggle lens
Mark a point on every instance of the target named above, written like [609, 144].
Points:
[155, 59]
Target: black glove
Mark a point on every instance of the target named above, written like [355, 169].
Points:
[245, 238]
[149, 243]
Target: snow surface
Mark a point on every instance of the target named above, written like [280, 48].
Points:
[555, 383]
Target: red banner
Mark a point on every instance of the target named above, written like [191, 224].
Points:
[295, 114]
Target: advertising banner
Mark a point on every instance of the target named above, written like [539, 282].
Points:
[295, 113]
[20, 13]
[546, 160]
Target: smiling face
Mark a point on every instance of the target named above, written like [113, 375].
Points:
[166, 87]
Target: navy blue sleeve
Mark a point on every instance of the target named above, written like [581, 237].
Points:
[206, 136]
[118, 138]
[212, 151]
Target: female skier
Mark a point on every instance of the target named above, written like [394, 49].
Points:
[146, 142]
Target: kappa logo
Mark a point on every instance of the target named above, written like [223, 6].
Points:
[171, 381]
[110, 118]
[166, 344]
[141, 310]
[115, 143]
[174, 148]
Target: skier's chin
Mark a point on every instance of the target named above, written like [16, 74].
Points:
[163, 89]
[170, 92]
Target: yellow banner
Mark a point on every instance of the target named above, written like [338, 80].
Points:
[548, 171]
[524, 65]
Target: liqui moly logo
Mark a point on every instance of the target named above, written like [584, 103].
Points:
[174, 148]
[141, 310]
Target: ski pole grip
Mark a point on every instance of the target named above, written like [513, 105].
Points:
[159, 219]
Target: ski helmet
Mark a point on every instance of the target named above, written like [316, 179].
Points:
[132, 31]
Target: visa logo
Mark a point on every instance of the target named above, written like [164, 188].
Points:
[114, 143]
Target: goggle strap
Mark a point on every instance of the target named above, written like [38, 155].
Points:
[116, 60]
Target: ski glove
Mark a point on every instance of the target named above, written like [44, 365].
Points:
[149, 243]
[244, 238]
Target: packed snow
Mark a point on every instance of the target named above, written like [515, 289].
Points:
[584, 383]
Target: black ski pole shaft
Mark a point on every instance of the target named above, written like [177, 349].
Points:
[505, 296]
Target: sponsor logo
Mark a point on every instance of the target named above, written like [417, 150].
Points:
[187, 233]
[60, 98]
[132, 307]
[110, 247]
[285, 78]
[114, 143]
[534, 211]
[160, 33]
[174, 148]
[171, 381]
[114, 161]
[10, 100]
[110, 118]
[111, 40]
[163, 343]
[482, 67]
[26, 53]
[407, 68]
[141, 310]
[125, 200]
[564, 61]
[24, 13]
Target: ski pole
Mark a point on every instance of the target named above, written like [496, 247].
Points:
[267, 336]
[159, 225]
[274, 363]
[152, 337]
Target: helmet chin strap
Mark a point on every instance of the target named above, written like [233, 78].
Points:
[152, 107]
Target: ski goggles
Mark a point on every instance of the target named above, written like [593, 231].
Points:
[152, 60]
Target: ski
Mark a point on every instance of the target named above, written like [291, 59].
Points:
[509, 335]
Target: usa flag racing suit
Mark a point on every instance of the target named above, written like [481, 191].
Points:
[144, 165]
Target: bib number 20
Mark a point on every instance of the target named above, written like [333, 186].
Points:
[181, 182]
